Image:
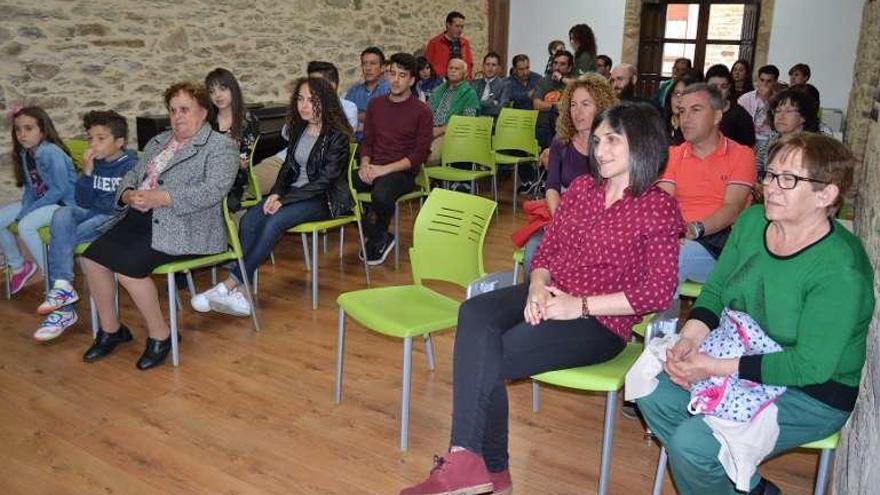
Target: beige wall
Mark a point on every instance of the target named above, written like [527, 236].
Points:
[866, 80]
[73, 56]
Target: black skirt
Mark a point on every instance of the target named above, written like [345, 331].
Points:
[125, 248]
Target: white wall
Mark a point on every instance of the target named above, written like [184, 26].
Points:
[822, 34]
[533, 23]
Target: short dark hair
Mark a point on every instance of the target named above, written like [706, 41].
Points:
[520, 57]
[606, 59]
[645, 132]
[802, 68]
[692, 76]
[326, 69]
[586, 40]
[196, 90]
[422, 63]
[806, 106]
[492, 55]
[721, 70]
[567, 54]
[406, 62]
[453, 16]
[108, 118]
[769, 69]
[689, 63]
[375, 50]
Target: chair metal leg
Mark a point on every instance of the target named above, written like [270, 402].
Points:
[536, 396]
[826, 462]
[191, 284]
[213, 276]
[404, 395]
[172, 318]
[429, 351]
[515, 185]
[7, 281]
[326, 235]
[305, 244]
[364, 250]
[341, 240]
[515, 272]
[495, 192]
[249, 295]
[46, 264]
[93, 308]
[315, 269]
[396, 236]
[272, 256]
[660, 473]
[340, 354]
[256, 280]
[607, 442]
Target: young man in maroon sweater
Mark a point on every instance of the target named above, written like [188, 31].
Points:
[397, 140]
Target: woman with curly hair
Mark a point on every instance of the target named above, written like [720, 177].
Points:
[568, 158]
[305, 190]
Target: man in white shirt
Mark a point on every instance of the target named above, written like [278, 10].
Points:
[757, 103]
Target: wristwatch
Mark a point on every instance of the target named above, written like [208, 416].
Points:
[699, 229]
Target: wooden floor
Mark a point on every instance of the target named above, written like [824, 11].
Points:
[249, 413]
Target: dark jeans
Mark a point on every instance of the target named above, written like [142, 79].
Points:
[493, 344]
[384, 190]
[260, 232]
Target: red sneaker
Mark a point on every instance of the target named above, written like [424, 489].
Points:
[459, 473]
[21, 276]
[501, 483]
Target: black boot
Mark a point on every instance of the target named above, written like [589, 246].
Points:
[105, 343]
[154, 354]
[765, 487]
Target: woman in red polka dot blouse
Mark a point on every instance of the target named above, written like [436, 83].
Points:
[609, 257]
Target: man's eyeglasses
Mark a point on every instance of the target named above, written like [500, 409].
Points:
[785, 180]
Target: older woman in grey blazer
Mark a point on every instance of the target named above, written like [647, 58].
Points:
[169, 209]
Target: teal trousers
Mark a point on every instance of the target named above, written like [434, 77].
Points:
[693, 451]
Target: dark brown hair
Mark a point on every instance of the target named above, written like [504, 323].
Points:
[824, 158]
[49, 134]
[325, 103]
[195, 89]
[225, 79]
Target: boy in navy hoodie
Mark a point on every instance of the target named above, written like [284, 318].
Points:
[105, 161]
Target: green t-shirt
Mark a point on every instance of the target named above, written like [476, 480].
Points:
[817, 304]
[583, 64]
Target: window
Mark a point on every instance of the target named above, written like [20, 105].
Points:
[707, 32]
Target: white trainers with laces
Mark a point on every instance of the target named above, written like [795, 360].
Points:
[234, 304]
[62, 294]
[202, 302]
[54, 325]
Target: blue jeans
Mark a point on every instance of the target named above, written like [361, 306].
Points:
[530, 248]
[260, 232]
[694, 262]
[27, 230]
[71, 225]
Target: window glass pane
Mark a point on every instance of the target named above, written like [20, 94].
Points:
[672, 51]
[681, 20]
[721, 54]
[725, 21]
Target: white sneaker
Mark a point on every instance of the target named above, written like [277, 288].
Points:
[234, 304]
[202, 302]
[55, 324]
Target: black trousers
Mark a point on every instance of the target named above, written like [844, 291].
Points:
[384, 190]
[493, 344]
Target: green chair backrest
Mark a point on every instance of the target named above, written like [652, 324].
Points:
[252, 190]
[352, 169]
[515, 130]
[77, 148]
[232, 231]
[448, 237]
[468, 140]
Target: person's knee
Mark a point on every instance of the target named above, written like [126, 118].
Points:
[691, 445]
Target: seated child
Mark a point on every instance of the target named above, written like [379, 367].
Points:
[105, 161]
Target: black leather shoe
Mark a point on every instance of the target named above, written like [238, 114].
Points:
[105, 343]
[765, 487]
[154, 354]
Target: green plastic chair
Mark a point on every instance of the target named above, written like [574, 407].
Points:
[691, 289]
[519, 258]
[447, 246]
[826, 446]
[467, 140]
[315, 228]
[420, 192]
[605, 377]
[252, 194]
[515, 131]
[233, 252]
[77, 147]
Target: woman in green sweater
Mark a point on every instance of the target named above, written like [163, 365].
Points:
[809, 284]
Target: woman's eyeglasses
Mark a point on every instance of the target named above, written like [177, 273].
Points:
[785, 180]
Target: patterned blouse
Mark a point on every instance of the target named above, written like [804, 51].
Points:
[631, 246]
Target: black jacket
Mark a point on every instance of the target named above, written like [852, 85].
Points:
[327, 169]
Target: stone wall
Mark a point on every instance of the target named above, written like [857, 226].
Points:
[72, 56]
[866, 79]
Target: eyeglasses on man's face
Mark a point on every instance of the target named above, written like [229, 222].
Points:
[785, 180]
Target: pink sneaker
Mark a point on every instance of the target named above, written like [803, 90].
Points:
[21, 276]
[501, 483]
[459, 473]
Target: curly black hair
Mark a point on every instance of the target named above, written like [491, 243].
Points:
[325, 103]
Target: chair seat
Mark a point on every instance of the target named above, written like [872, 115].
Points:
[81, 248]
[417, 310]
[332, 223]
[505, 159]
[192, 264]
[602, 377]
[456, 174]
[690, 289]
[829, 442]
[519, 255]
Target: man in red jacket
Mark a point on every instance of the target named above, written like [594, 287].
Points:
[450, 44]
